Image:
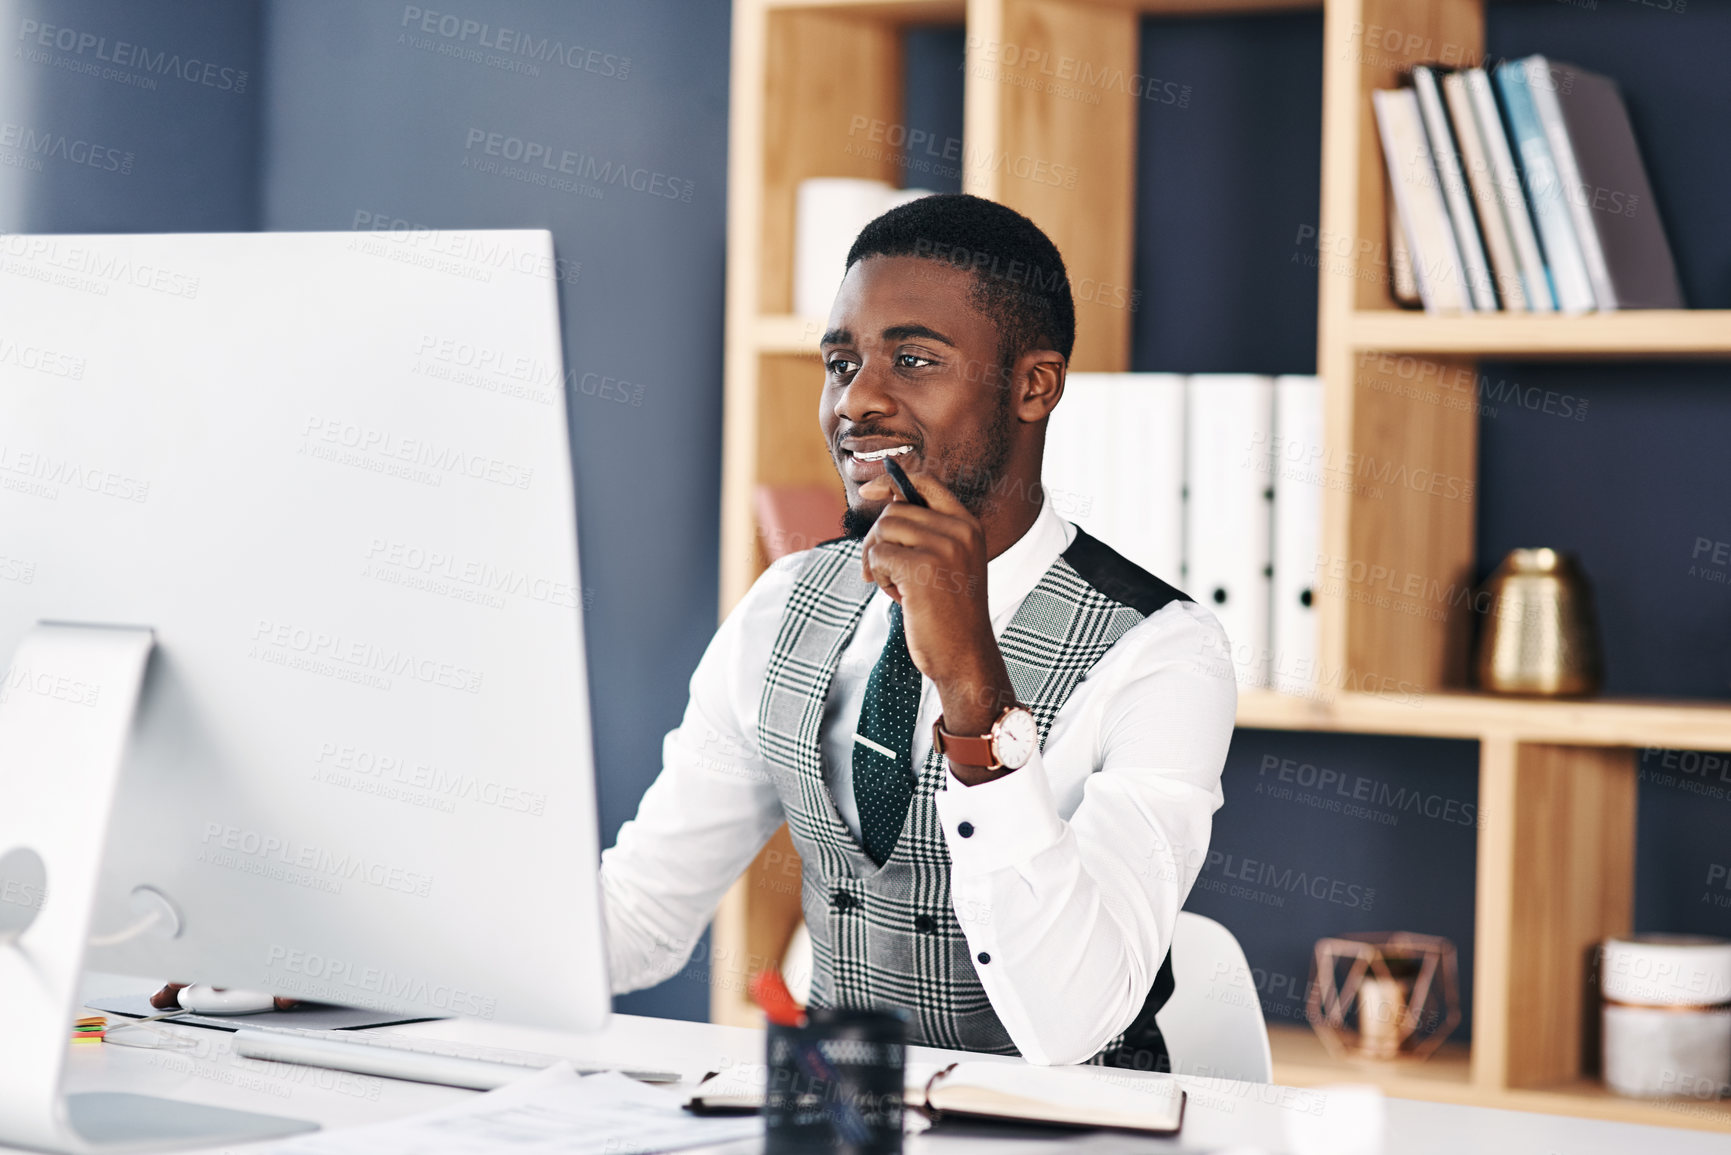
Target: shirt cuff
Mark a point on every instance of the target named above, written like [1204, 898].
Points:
[1001, 823]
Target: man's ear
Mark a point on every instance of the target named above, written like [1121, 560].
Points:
[1036, 384]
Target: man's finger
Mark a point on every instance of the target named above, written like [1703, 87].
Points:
[890, 565]
[168, 998]
[907, 524]
[937, 494]
[938, 497]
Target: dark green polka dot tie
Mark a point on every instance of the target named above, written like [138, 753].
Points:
[883, 743]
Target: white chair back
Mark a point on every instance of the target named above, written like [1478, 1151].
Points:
[1213, 1022]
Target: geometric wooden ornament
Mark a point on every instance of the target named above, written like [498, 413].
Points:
[1384, 996]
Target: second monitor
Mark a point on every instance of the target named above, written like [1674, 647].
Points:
[325, 480]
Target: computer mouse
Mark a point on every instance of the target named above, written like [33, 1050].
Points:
[205, 1000]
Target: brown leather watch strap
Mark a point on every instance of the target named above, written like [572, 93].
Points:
[959, 748]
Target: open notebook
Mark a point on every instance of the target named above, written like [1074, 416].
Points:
[1065, 1096]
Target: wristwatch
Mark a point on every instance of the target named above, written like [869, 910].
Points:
[1009, 744]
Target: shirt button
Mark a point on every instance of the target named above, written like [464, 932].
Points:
[966, 830]
[984, 958]
[925, 923]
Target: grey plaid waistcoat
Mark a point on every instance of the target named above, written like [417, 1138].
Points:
[888, 936]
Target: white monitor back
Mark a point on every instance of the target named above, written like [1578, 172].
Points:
[332, 473]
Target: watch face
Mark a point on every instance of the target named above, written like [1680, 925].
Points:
[1017, 738]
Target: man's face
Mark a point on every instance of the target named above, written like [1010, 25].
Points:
[911, 369]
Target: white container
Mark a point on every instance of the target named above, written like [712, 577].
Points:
[829, 213]
[1667, 1016]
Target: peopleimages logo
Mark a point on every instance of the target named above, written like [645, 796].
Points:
[321, 976]
[436, 460]
[1359, 788]
[223, 843]
[1286, 879]
[40, 360]
[123, 54]
[22, 679]
[482, 250]
[20, 467]
[33, 144]
[482, 576]
[282, 643]
[536, 155]
[89, 267]
[515, 42]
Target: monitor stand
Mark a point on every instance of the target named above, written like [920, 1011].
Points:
[66, 711]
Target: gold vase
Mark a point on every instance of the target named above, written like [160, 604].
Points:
[1540, 637]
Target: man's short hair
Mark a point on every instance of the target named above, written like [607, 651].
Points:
[1019, 278]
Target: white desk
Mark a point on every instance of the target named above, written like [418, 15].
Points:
[1219, 1114]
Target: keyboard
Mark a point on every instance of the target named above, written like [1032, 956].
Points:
[417, 1060]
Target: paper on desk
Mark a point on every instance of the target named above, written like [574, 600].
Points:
[552, 1112]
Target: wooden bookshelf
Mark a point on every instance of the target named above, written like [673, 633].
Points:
[1635, 722]
[1647, 333]
[1557, 780]
[789, 334]
[1301, 1060]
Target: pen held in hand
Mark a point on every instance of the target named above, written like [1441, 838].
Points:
[903, 485]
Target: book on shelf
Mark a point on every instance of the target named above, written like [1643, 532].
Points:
[1115, 464]
[1076, 473]
[1148, 456]
[1228, 556]
[1213, 482]
[1481, 295]
[1605, 186]
[1402, 282]
[1297, 465]
[1543, 81]
[1544, 190]
[1475, 162]
[1544, 200]
[1506, 185]
[1418, 195]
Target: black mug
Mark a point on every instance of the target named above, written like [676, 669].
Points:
[835, 1084]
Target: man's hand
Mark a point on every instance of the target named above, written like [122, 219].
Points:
[933, 561]
[168, 998]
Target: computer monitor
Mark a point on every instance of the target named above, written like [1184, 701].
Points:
[308, 499]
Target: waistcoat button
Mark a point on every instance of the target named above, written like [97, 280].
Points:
[925, 923]
[842, 900]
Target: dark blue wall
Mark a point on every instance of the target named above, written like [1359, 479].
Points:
[351, 116]
[932, 104]
[166, 127]
[1224, 183]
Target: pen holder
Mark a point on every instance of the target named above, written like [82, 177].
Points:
[835, 1084]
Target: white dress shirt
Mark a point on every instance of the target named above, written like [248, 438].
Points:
[1076, 865]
